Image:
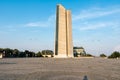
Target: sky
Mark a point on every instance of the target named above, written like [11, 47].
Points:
[30, 24]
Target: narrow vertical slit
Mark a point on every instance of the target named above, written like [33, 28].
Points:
[66, 33]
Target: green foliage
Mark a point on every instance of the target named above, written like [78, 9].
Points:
[75, 54]
[47, 52]
[8, 52]
[103, 55]
[115, 55]
[83, 54]
[88, 55]
[29, 53]
[1, 49]
[16, 53]
[22, 54]
[39, 54]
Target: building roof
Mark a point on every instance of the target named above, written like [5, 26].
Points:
[78, 48]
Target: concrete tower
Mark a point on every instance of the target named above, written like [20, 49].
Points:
[63, 38]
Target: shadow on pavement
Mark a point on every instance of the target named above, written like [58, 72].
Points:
[85, 78]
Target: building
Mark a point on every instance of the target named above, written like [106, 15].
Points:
[79, 51]
[63, 36]
[47, 53]
[1, 55]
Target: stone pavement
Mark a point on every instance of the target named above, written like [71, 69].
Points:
[59, 69]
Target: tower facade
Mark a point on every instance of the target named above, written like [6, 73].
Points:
[63, 37]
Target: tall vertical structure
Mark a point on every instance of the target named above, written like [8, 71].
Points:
[63, 38]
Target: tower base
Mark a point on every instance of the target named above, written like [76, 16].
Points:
[62, 56]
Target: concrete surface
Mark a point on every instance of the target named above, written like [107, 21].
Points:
[59, 69]
[63, 38]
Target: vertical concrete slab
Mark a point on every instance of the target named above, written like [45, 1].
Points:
[63, 38]
[69, 34]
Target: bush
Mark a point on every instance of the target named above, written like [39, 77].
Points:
[88, 55]
[39, 54]
[75, 54]
[114, 55]
[103, 55]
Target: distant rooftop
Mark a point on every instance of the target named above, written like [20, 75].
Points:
[78, 48]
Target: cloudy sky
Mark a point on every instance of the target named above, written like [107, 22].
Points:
[30, 24]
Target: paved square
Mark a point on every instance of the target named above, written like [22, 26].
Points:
[59, 69]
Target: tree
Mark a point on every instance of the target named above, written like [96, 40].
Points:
[39, 54]
[47, 52]
[75, 54]
[114, 55]
[26, 53]
[22, 54]
[29, 53]
[103, 55]
[1, 49]
[8, 52]
[88, 55]
[15, 53]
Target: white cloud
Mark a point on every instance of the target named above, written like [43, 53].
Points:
[94, 26]
[94, 13]
[49, 22]
[37, 24]
[97, 18]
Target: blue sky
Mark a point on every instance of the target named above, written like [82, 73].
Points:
[30, 24]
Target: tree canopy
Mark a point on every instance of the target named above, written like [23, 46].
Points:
[12, 53]
[115, 54]
[103, 55]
